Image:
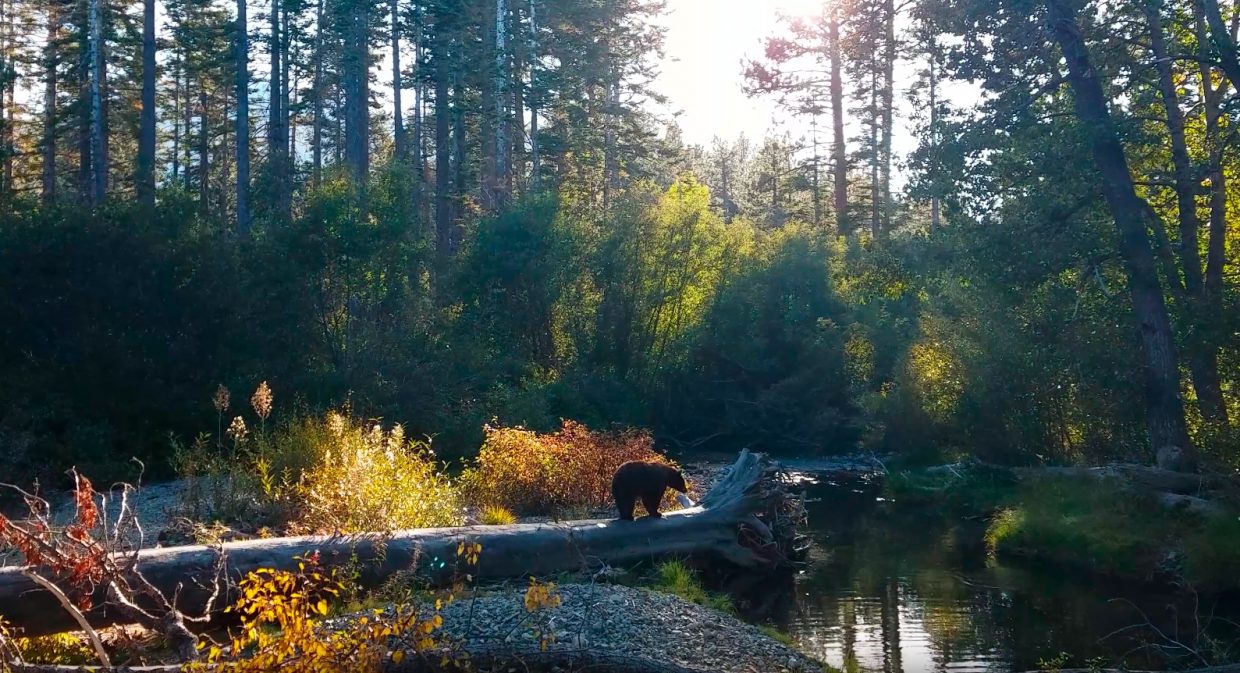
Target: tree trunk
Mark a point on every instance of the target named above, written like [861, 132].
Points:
[888, 102]
[145, 178]
[277, 114]
[1216, 245]
[747, 522]
[98, 163]
[50, 62]
[1222, 40]
[398, 122]
[935, 202]
[535, 159]
[419, 155]
[84, 125]
[458, 147]
[357, 92]
[443, 168]
[515, 168]
[1185, 185]
[204, 150]
[243, 120]
[1165, 409]
[838, 148]
[286, 144]
[1202, 356]
[500, 168]
[876, 219]
[176, 120]
[317, 132]
[8, 99]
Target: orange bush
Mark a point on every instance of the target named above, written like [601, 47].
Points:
[540, 473]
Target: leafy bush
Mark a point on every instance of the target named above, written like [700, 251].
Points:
[372, 480]
[539, 473]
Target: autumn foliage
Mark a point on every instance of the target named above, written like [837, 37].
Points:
[540, 473]
[72, 556]
[285, 627]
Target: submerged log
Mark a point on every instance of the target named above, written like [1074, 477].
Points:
[748, 521]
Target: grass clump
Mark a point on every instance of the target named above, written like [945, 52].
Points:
[777, 635]
[494, 515]
[677, 578]
[534, 473]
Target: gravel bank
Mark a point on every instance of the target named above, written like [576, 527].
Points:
[621, 621]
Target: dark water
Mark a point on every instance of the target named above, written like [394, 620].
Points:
[892, 590]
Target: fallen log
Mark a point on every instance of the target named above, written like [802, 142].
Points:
[748, 521]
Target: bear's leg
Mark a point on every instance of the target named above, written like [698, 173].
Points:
[651, 500]
[625, 504]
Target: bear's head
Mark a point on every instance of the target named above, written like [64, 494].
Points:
[676, 480]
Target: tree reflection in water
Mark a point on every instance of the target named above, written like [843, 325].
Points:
[897, 591]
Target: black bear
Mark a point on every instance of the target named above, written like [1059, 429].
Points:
[636, 479]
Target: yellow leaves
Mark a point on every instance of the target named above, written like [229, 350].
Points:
[541, 596]
[281, 628]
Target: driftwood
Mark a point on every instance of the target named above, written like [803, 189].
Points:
[747, 521]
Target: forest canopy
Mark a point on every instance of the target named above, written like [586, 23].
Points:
[453, 212]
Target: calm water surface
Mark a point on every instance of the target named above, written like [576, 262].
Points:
[899, 591]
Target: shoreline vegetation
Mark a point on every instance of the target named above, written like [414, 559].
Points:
[333, 472]
[1107, 527]
[1103, 526]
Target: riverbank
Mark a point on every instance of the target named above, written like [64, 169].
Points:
[1103, 527]
[619, 621]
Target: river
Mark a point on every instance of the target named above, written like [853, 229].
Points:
[892, 590]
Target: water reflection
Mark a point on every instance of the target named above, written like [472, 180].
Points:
[899, 592]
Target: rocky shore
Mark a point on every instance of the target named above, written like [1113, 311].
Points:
[617, 622]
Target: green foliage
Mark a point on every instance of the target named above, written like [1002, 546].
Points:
[1105, 528]
[1098, 526]
[1212, 553]
[767, 367]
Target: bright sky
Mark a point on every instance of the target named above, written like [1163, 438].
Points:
[702, 74]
